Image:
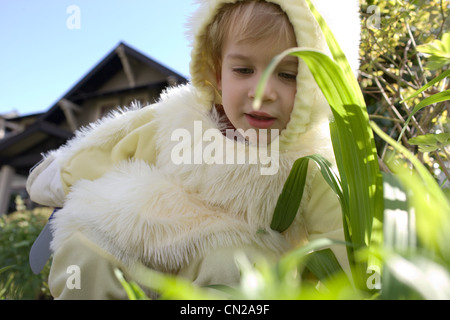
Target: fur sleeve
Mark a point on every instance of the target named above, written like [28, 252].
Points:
[92, 152]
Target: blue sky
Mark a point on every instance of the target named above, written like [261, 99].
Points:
[42, 58]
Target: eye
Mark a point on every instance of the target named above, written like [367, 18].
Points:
[243, 70]
[289, 76]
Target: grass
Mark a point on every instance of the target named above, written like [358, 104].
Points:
[18, 232]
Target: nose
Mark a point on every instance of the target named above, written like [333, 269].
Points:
[269, 93]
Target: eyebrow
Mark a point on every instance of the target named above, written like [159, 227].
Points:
[239, 56]
[288, 60]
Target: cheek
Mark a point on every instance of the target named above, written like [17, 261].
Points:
[229, 90]
[231, 100]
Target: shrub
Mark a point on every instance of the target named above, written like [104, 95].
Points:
[18, 231]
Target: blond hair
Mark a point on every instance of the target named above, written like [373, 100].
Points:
[247, 21]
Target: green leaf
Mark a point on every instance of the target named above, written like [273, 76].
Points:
[399, 227]
[337, 53]
[330, 177]
[6, 268]
[290, 197]
[356, 158]
[428, 278]
[428, 85]
[427, 180]
[134, 292]
[294, 258]
[432, 208]
[352, 139]
[435, 98]
[438, 51]
[323, 264]
[326, 72]
[431, 142]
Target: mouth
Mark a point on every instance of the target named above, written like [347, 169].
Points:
[260, 120]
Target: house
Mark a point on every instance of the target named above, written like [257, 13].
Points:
[122, 77]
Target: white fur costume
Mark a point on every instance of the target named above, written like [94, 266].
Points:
[119, 187]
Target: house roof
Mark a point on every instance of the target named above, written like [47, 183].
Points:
[23, 149]
[104, 70]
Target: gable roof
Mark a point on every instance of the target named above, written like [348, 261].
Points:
[23, 149]
[113, 62]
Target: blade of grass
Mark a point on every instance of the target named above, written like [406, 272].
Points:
[343, 63]
[337, 53]
[6, 268]
[324, 265]
[435, 98]
[325, 72]
[428, 278]
[399, 226]
[290, 197]
[291, 260]
[353, 140]
[132, 289]
[432, 208]
[398, 233]
[330, 177]
[428, 85]
[356, 157]
[427, 179]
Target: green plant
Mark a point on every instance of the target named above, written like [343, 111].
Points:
[18, 232]
[5, 285]
[407, 47]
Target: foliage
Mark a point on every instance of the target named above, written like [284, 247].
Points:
[406, 44]
[18, 231]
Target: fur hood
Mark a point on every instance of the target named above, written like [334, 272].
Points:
[311, 108]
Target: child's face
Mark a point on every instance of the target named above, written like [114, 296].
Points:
[243, 64]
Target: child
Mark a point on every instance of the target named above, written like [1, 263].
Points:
[151, 185]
